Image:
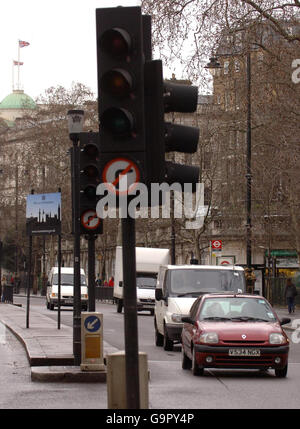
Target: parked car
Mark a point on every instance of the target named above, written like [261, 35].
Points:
[234, 331]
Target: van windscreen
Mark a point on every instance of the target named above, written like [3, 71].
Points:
[67, 279]
[185, 282]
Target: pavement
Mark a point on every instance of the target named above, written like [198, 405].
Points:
[50, 350]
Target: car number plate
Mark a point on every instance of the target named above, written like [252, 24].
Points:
[244, 352]
[69, 301]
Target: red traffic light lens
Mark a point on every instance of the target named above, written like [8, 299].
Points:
[118, 121]
[117, 82]
[116, 42]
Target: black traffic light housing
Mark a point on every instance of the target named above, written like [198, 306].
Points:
[89, 178]
[120, 94]
[161, 137]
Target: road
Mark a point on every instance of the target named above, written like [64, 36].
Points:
[170, 387]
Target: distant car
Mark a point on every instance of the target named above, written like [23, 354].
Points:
[234, 331]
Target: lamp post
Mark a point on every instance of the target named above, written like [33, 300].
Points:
[214, 64]
[75, 122]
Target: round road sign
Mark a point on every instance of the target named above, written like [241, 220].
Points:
[121, 176]
[89, 220]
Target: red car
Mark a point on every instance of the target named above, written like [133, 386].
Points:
[234, 331]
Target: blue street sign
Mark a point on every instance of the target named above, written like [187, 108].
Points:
[92, 323]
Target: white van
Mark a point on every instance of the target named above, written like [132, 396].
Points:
[148, 261]
[177, 288]
[67, 288]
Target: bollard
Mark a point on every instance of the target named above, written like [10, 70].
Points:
[116, 380]
[92, 342]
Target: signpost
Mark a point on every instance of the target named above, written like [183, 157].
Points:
[92, 342]
[43, 217]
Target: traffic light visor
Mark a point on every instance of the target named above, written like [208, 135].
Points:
[117, 83]
[116, 42]
[118, 121]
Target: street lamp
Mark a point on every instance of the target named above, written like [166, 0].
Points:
[214, 64]
[75, 122]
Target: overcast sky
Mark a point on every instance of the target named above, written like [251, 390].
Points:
[62, 37]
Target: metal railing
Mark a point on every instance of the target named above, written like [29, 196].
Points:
[104, 293]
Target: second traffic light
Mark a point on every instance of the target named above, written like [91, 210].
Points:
[162, 97]
[89, 178]
[121, 97]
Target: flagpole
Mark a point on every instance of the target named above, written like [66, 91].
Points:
[19, 64]
[13, 83]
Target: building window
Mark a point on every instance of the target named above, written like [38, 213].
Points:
[226, 67]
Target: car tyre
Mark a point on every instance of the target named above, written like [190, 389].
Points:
[159, 339]
[51, 306]
[185, 361]
[282, 372]
[196, 370]
[47, 305]
[168, 344]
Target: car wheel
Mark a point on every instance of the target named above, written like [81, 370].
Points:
[47, 305]
[51, 306]
[119, 306]
[168, 344]
[159, 339]
[185, 361]
[281, 373]
[196, 370]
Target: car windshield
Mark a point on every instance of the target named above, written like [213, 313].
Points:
[236, 309]
[193, 281]
[146, 282]
[67, 279]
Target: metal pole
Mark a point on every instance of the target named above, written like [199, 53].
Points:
[173, 233]
[91, 270]
[130, 314]
[59, 279]
[248, 175]
[77, 289]
[29, 277]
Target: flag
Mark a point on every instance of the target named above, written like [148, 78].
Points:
[18, 63]
[22, 43]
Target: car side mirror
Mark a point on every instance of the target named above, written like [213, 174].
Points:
[285, 320]
[187, 319]
[158, 294]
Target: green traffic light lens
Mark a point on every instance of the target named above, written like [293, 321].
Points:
[117, 83]
[117, 121]
[116, 42]
[90, 192]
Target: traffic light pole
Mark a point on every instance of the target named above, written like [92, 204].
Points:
[77, 291]
[130, 314]
[91, 270]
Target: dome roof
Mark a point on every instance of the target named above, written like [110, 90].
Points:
[17, 100]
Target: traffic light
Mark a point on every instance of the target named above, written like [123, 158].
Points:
[89, 178]
[121, 97]
[161, 137]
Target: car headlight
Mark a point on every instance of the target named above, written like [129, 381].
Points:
[276, 338]
[209, 338]
[84, 296]
[176, 318]
[54, 295]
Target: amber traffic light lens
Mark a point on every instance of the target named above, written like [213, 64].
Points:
[91, 151]
[117, 83]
